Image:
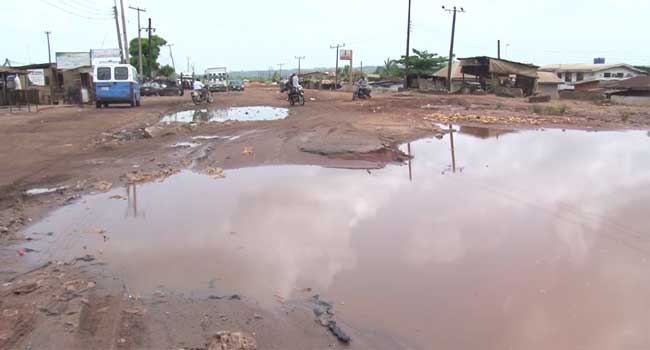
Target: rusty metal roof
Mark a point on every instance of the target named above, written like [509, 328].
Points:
[548, 78]
[642, 82]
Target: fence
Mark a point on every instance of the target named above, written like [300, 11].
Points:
[19, 99]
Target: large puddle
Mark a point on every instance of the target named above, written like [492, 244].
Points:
[222, 115]
[495, 240]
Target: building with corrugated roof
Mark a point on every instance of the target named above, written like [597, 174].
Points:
[572, 74]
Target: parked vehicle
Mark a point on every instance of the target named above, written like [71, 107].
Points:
[217, 79]
[362, 92]
[202, 96]
[169, 88]
[150, 88]
[297, 95]
[160, 88]
[116, 83]
[236, 85]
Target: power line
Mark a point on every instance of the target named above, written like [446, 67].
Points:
[74, 13]
[83, 9]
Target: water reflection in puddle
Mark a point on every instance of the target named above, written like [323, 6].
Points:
[540, 242]
[222, 115]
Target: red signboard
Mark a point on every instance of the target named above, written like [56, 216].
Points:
[346, 55]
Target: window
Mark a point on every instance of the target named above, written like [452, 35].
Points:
[559, 75]
[620, 75]
[568, 77]
[104, 73]
[121, 73]
[580, 76]
[607, 75]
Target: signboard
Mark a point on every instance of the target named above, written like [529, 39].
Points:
[72, 60]
[98, 56]
[36, 77]
[346, 55]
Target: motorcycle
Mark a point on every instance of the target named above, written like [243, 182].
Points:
[297, 95]
[204, 95]
[362, 92]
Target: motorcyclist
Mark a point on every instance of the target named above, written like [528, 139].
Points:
[199, 87]
[363, 88]
[363, 83]
[294, 83]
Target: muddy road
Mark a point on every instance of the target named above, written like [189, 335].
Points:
[295, 228]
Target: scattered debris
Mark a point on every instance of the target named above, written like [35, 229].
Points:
[324, 312]
[86, 258]
[248, 151]
[39, 191]
[117, 196]
[225, 297]
[103, 186]
[338, 332]
[142, 176]
[42, 266]
[24, 288]
[97, 231]
[217, 173]
[225, 340]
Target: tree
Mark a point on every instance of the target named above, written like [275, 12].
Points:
[149, 61]
[422, 63]
[389, 69]
[276, 77]
[166, 71]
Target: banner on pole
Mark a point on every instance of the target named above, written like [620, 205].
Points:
[346, 55]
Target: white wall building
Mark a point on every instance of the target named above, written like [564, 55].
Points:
[577, 73]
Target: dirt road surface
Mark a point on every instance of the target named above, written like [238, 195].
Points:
[80, 303]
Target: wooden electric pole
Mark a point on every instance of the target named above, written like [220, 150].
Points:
[139, 39]
[172, 56]
[119, 37]
[499, 49]
[336, 72]
[299, 58]
[126, 41]
[49, 51]
[408, 49]
[150, 49]
[451, 46]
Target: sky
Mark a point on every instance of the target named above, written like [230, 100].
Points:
[258, 34]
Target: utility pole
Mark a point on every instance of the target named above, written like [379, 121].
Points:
[499, 49]
[188, 64]
[280, 65]
[119, 37]
[139, 39]
[149, 48]
[126, 41]
[408, 49]
[451, 46]
[336, 72]
[299, 58]
[49, 52]
[171, 56]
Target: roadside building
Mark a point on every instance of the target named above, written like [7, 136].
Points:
[74, 77]
[575, 75]
[503, 77]
[458, 79]
[548, 84]
[40, 77]
[11, 87]
[634, 91]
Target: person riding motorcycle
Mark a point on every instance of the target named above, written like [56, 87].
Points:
[363, 88]
[200, 88]
[293, 83]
